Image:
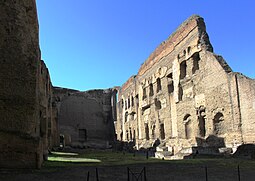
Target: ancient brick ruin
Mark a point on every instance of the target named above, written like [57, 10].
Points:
[184, 97]
[86, 119]
[187, 98]
[27, 128]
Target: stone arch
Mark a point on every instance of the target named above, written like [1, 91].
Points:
[188, 126]
[217, 123]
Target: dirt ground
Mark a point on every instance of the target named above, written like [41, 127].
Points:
[165, 171]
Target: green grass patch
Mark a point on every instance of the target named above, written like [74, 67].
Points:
[73, 160]
[96, 157]
[110, 158]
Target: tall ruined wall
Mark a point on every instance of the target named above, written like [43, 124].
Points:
[20, 57]
[86, 118]
[185, 96]
[22, 140]
[246, 89]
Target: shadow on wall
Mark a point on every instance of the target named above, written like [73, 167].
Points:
[211, 141]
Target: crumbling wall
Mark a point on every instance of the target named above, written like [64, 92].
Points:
[159, 85]
[86, 118]
[186, 96]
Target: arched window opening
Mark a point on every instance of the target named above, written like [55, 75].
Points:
[170, 85]
[188, 126]
[158, 85]
[183, 70]
[217, 122]
[128, 102]
[170, 76]
[196, 60]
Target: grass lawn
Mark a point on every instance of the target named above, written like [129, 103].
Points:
[110, 158]
[112, 166]
[96, 157]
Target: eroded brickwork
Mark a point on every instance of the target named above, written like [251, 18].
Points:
[187, 97]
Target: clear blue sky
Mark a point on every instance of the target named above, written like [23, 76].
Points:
[90, 44]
